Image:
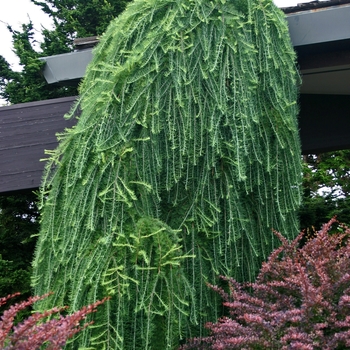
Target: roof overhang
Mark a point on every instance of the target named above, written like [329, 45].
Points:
[321, 38]
[320, 33]
[320, 25]
[68, 68]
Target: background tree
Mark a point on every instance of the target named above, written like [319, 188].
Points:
[29, 84]
[186, 154]
[326, 186]
[18, 221]
[71, 19]
[80, 18]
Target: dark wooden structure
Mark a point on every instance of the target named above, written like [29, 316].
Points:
[320, 33]
[26, 131]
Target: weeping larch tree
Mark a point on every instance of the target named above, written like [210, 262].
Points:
[186, 154]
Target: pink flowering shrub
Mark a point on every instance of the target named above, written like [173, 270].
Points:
[300, 299]
[38, 329]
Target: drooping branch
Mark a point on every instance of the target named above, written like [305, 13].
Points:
[184, 158]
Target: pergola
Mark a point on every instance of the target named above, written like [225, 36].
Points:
[320, 32]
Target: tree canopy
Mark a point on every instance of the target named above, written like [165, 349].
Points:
[81, 18]
[326, 186]
[29, 84]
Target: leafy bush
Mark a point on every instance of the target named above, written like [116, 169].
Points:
[300, 300]
[38, 330]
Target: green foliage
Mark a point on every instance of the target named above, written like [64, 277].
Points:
[326, 189]
[18, 221]
[186, 154]
[329, 170]
[81, 18]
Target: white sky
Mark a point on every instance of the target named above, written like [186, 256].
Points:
[16, 12]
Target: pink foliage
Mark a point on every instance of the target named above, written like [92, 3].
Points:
[39, 329]
[300, 299]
